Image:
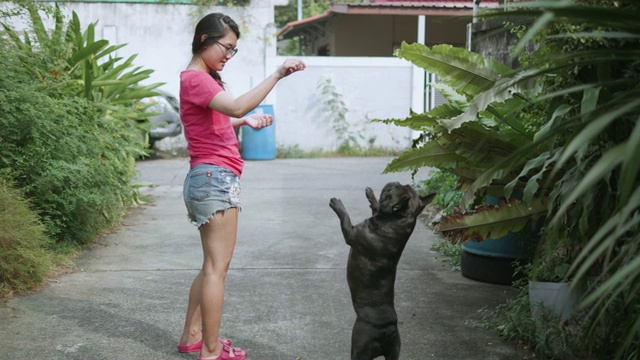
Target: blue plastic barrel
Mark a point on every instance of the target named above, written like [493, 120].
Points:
[260, 144]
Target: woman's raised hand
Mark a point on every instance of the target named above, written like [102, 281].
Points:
[290, 66]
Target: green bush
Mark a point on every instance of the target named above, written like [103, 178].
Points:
[587, 63]
[74, 165]
[24, 261]
[445, 185]
[72, 153]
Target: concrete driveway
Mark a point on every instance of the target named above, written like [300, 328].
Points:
[287, 296]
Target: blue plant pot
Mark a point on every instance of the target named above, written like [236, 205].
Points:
[511, 246]
[495, 260]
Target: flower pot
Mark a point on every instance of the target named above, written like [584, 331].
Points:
[558, 298]
[494, 260]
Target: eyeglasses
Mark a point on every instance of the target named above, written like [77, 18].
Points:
[230, 51]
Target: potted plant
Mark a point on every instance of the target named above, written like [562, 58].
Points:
[587, 63]
[550, 289]
[470, 136]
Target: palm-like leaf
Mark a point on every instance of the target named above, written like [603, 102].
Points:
[476, 129]
[432, 154]
[470, 72]
[502, 89]
[492, 221]
[583, 157]
[595, 173]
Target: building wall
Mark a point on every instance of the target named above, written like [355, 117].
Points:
[405, 28]
[380, 35]
[325, 40]
[161, 35]
[371, 87]
[491, 41]
[446, 30]
[364, 35]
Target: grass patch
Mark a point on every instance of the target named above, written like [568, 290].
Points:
[25, 261]
[451, 253]
[295, 152]
[545, 335]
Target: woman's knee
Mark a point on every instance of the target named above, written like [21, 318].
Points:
[215, 268]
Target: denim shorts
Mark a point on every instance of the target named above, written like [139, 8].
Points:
[208, 189]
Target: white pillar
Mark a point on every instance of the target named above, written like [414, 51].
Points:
[418, 81]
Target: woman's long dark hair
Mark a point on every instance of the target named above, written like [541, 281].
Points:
[215, 27]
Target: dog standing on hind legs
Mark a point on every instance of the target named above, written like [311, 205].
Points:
[376, 246]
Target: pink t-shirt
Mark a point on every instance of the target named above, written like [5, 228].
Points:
[210, 135]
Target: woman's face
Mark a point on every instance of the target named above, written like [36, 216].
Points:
[218, 53]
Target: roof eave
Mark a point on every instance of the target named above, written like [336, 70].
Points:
[404, 11]
[291, 25]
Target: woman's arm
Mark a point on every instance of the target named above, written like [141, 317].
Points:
[225, 103]
[235, 122]
[255, 121]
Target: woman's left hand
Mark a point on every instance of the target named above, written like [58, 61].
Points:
[290, 66]
[258, 121]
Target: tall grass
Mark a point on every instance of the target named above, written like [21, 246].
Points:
[24, 260]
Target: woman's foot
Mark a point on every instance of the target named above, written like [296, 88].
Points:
[197, 346]
[227, 352]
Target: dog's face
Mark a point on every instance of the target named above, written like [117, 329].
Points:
[402, 200]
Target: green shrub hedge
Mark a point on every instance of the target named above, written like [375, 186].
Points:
[74, 165]
[69, 157]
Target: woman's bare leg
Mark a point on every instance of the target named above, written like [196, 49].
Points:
[218, 242]
[193, 321]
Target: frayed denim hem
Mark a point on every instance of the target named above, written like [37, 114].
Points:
[207, 220]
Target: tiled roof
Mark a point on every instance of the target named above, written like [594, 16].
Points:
[422, 4]
[418, 2]
[396, 6]
[428, 1]
[389, 7]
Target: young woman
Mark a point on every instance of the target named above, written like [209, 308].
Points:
[212, 188]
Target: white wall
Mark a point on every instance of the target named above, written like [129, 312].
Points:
[161, 35]
[370, 87]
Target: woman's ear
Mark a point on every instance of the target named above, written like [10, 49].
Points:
[203, 38]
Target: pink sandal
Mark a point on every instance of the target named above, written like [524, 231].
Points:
[238, 354]
[196, 346]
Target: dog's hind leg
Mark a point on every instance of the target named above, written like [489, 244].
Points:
[392, 347]
[365, 341]
[373, 202]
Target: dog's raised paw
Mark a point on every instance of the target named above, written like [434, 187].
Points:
[368, 191]
[336, 205]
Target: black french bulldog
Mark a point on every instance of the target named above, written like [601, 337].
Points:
[376, 246]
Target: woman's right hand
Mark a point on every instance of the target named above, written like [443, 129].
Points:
[258, 121]
[290, 66]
